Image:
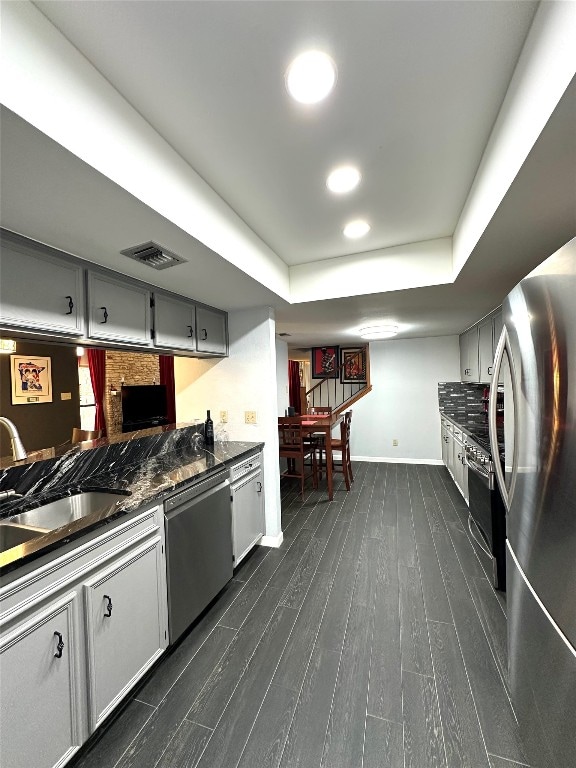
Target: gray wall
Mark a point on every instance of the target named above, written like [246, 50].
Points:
[403, 404]
[42, 425]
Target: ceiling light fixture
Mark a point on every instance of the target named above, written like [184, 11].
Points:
[310, 77]
[357, 228]
[343, 179]
[378, 331]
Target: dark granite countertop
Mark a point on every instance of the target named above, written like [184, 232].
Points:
[147, 482]
[475, 425]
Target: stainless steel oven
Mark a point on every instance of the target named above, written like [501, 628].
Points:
[486, 515]
[198, 549]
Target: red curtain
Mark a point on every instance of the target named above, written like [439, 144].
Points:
[167, 378]
[97, 365]
[294, 384]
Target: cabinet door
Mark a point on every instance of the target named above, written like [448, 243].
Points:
[40, 291]
[211, 331]
[444, 435]
[247, 514]
[118, 311]
[486, 350]
[124, 625]
[469, 355]
[40, 703]
[174, 323]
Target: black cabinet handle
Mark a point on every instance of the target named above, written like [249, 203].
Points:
[70, 304]
[108, 607]
[204, 334]
[191, 334]
[259, 487]
[105, 315]
[490, 370]
[60, 646]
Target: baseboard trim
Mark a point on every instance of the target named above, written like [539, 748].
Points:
[395, 460]
[272, 541]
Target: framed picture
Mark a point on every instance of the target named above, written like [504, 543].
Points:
[31, 379]
[324, 362]
[353, 365]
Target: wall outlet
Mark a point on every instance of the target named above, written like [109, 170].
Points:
[65, 395]
[250, 417]
[224, 416]
[395, 442]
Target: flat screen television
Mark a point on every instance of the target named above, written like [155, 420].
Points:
[143, 406]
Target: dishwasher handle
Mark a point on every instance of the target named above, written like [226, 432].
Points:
[220, 480]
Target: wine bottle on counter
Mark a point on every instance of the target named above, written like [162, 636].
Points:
[208, 431]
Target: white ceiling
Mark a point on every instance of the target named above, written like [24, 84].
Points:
[419, 87]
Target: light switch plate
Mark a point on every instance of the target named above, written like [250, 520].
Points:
[65, 395]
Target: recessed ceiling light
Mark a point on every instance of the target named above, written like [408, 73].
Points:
[378, 331]
[311, 77]
[343, 179]
[356, 228]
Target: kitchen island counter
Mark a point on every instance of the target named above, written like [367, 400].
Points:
[148, 479]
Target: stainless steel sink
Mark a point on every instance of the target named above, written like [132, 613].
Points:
[11, 535]
[70, 508]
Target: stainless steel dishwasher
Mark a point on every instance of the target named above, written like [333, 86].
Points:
[198, 549]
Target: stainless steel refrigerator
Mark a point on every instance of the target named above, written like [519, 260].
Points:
[536, 361]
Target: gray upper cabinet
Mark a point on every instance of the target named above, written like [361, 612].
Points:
[477, 349]
[174, 323]
[469, 355]
[486, 349]
[40, 291]
[211, 331]
[118, 311]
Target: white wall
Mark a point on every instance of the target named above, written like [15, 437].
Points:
[244, 381]
[403, 404]
[282, 376]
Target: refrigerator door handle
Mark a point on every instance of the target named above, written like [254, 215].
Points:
[503, 346]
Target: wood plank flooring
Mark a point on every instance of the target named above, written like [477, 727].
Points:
[371, 638]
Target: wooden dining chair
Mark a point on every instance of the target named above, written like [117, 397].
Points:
[78, 435]
[293, 447]
[342, 446]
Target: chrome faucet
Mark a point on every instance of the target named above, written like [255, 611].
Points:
[18, 451]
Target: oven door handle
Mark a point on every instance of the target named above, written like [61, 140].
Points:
[480, 541]
[477, 468]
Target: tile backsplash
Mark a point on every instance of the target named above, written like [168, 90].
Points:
[461, 398]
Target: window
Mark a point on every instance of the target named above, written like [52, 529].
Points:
[87, 403]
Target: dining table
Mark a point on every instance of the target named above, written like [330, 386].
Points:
[320, 424]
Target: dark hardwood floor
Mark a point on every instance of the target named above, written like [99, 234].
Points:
[372, 637]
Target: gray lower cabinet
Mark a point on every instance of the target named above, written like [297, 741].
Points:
[117, 311]
[248, 523]
[76, 633]
[211, 331]
[40, 687]
[123, 626]
[39, 291]
[174, 323]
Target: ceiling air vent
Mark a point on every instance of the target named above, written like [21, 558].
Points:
[153, 255]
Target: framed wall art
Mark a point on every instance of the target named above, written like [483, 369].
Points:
[31, 379]
[325, 362]
[353, 365]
